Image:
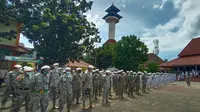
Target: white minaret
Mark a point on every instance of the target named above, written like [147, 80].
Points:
[112, 18]
[111, 30]
[156, 46]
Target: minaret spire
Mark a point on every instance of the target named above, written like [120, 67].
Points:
[112, 18]
[113, 1]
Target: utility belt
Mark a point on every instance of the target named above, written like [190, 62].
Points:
[87, 91]
[23, 88]
[41, 91]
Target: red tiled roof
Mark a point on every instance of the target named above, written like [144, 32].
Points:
[193, 48]
[14, 48]
[110, 41]
[78, 64]
[183, 61]
[153, 58]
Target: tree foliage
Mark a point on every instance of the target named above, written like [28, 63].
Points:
[58, 29]
[152, 67]
[130, 53]
[105, 56]
[142, 68]
[8, 13]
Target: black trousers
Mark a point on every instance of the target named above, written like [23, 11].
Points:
[1, 81]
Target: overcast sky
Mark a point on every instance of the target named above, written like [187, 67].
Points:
[173, 22]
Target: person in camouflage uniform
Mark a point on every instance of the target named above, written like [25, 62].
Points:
[106, 87]
[188, 78]
[87, 87]
[144, 81]
[126, 75]
[76, 85]
[111, 83]
[65, 89]
[23, 89]
[100, 82]
[131, 82]
[11, 85]
[39, 87]
[54, 77]
[115, 83]
[95, 83]
[137, 83]
[121, 84]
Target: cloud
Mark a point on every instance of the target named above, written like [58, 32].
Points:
[24, 40]
[96, 14]
[173, 22]
[123, 5]
[160, 5]
[95, 18]
[187, 24]
[155, 6]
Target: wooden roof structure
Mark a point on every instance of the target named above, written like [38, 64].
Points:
[189, 56]
[77, 64]
[19, 48]
[152, 58]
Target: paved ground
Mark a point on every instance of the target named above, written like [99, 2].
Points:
[171, 98]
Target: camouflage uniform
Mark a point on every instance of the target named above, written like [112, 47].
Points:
[39, 92]
[100, 83]
[95, 84]
[7, 90]
[87, 88]
[54, 78]
[11, 86]
[137, 84]
[106, 88]
[131, 84]
[23, 91]
[144, 82]
[65, 89]
[76, 86]
[188, 78]
[126, 82]
[121, 85]
[114, 82]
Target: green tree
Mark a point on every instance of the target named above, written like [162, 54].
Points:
[130, 53]
[152, 67]
[105, 56]
[142, 68]
[101, 57]
[8, 13]
[58, 29]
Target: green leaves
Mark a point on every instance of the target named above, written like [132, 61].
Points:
[7, 13]
[43, 24]
[35, 27]
[152, 67]
[58, 30]
[130, 53]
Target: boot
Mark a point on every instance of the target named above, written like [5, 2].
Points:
[91, 106]
[69, 110]
[2, 103]
[85, 108]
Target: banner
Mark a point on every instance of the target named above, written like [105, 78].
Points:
[22, 59]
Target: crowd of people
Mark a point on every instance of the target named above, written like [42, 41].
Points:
[69, 86]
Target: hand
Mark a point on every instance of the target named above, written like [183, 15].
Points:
[19, 77]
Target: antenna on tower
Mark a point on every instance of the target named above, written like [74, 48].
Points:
[156, 46]
[113, 1]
